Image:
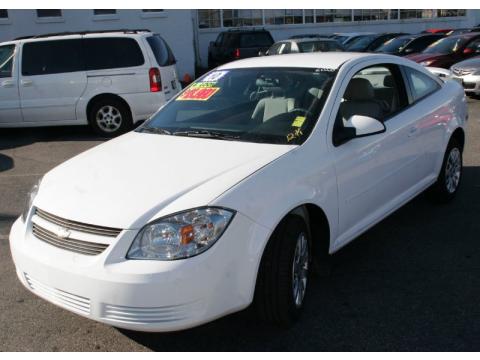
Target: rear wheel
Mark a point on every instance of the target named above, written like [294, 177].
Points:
[446, 187]
[283, 275]
[110, 117]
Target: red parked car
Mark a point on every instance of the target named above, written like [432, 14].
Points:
[449, 50]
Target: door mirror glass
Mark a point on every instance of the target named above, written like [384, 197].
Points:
[365, 125]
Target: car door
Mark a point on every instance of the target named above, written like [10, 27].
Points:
[375, 173]
[10, 111]
[52, 79]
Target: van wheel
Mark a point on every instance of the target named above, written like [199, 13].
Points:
[110, 117]
[446, 187]
[283, 275]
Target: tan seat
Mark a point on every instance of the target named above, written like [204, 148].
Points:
[270, 107]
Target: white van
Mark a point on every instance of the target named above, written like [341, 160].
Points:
[110, 80]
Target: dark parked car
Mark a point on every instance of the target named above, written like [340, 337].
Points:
[303, 36]
[370, 42]
[408, 44]
[304, 45]
[448, 51]
[238, 44]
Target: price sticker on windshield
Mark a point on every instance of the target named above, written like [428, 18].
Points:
[198, 93]
[298, 122]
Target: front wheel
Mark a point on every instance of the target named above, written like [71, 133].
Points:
[448, 182]
[283, 275]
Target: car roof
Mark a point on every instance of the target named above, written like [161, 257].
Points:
[465, 35]
[354, 33]
[329, 60]
[78, 35]
[312, 39]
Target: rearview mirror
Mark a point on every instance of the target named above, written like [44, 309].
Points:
[365, 125]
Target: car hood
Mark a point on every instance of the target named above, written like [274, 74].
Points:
[126, 182]
[473, 64]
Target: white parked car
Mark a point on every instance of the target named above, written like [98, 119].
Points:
[467, 73]
[109, 80]
[228, 193]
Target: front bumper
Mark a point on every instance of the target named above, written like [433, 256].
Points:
[470, 83]
[144, 295]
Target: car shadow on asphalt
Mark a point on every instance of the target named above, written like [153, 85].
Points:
[6, 162]
[409, 283]
[12, 138]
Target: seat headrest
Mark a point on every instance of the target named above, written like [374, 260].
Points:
[359, 89]
[388, 81]
[315, 92]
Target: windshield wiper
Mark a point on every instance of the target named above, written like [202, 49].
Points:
[154, 130]
[207, 134]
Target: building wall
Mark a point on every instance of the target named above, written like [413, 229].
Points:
[175, 26]
[280, 32]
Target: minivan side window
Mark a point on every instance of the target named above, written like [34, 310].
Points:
[111, 53]
[6, 60]
[162, 52]
[421, 84]
[51, 57]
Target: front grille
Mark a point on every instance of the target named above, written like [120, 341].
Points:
[149, 315]
[78, 226]
[70, 301]
[78, 246]
[461, 72]
[468, 85]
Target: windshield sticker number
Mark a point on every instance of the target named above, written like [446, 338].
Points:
[198, 93]
[214, 76]
[294, 135]
[298, 122]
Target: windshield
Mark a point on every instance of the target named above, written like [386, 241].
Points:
[340, 38]
[394, 45]
[265, 105]
[313, 46]
[360, 43]
[446, 45]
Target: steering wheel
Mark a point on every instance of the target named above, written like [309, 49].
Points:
[305, 111]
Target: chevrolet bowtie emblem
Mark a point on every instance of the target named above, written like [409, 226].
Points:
[62, 233]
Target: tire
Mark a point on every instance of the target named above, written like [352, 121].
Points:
[110, 117]
[277, 300]
[448, 182]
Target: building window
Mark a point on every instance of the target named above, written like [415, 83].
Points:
[333, 15]
[280, 17]
[416, 13]
[49, 13]
[308, 16]
[152, 10]
[208, 19]
[451, 12]
[104, 12]
[370, 14]
[3, 14]
[242, 17]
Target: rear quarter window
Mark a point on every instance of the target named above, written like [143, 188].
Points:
[6, 60]
[162, 52]
[421, 84]
[111, 53]
[52, 57]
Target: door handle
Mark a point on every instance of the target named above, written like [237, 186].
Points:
[7, 83]
[26, 82]
[412, 131]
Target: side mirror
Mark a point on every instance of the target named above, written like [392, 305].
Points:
[365, 125]
[468, 51]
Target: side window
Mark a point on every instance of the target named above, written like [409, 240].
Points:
[421, 84]
[334, 46]
[162, 52]
[52, 57]
[219, 40]
[474, 46]
[6, 60]
[111, 53]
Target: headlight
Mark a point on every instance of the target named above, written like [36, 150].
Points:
[426, 63]
[181, 235]
[29, 201]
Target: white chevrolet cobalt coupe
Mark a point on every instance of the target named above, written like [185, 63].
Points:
[233, 189]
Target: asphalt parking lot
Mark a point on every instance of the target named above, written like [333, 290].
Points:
[410, 283]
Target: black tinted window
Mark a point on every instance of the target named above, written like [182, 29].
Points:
[421, 43]
[255, 40]
[111, 53]
[52, 57]
[161, 51]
